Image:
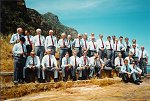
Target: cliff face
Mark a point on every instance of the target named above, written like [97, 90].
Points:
[14, 13]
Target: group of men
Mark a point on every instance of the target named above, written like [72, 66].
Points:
[35, 55]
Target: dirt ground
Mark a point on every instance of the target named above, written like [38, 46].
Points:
[90, 92]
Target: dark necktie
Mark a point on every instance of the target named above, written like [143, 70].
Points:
[29, 40]
[94, 45]
[64, 42]
[39, 40]
[120, 62]
[134, 51]
[22, 48]
[33, 61]
[116, 45]
[75, 62]
[130, 61]
[85, 44]
[49, 61]
[85, 60]
[67, 64]
[102, 43]
[110, 45]
[52, 40]
[79, 42]
[127, 68]
[142, 55]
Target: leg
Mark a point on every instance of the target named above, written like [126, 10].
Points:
[91, 72]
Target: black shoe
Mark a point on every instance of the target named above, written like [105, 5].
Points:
[140, 81]
[55, 80]
[136, 82]
[64, 79]
[80, 78]
[15, 83]
[74, 79]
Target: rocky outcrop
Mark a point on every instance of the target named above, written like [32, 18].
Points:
[14, 13]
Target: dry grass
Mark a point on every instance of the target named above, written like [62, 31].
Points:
[25, 89]
[6, 60]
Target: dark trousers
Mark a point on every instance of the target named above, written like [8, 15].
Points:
[30, 75]
[70, 52]
[62, 54]
[143, 66]
[101, 54]
[29, 49]
[126, 79]
[39, 51]
[91, 52]
[67, 73]
[19, 63]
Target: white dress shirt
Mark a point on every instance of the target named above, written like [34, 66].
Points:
[136, 51]
[15, 37]
[27, 42]
[61, 42]
[119, 61]
[50, 41]
[109, 45]
[77, 43]
[45, 61]
[18, 49]
[84, 60]
[100, 44]
[65, 61]
[127, 44]
[122, 48]
[30, 62]
[72, 60]
[145, 54]
[85, 44]
[36, 40]
[117, 46]
[69, 44]
[130, 60]
[93, 61]
[92, 44]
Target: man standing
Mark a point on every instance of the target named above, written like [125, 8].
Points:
[63, 45]
[85, 43]
[32, 67]
[49, 67]
[38, 43]
[51, 42]
[78, 45]
[101, 46]
[15, 38]
[28, 41]
[69, 45]
[74, 61]
[92, 46]
[143, 60]
[128, 74]
[66, 67]
[127, 46]
[19, 51]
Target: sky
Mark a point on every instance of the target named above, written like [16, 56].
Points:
[129, 18]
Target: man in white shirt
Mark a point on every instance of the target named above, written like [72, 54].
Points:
[78, 45]
[32, 68]
[122, 47]
[66, 67]
[137, 71]
[74, 61]
[51, 42]
[129, 58]
[127, 46]
[38, 43]
[19, 51]
[69, 45]
[128, 74]
[15, 38]
[101, 46]
[28, 42]
[134, 42]
[117, 48]
[92, 46]
[49, 67]
[63, 46]
[134, 50]
[118, 63]
[85, 43]
[143, 60]
[83, 66]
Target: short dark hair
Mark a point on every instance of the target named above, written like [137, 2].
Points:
[121, 37]
[22, 39]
